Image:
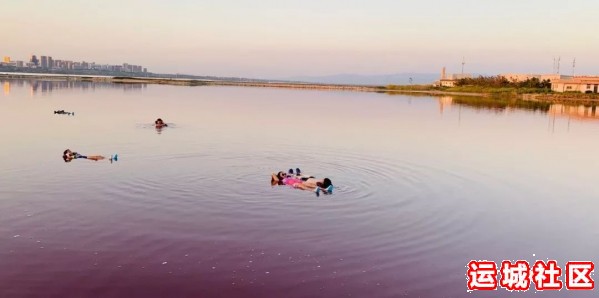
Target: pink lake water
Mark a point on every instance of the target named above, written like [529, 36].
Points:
[423, 186]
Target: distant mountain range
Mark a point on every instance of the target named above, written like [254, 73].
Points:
[357, 79]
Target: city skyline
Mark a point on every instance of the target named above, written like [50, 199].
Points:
[277, 39]
[46, 62]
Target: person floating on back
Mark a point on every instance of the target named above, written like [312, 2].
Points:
[69, 155]
[62, 112]
[302, 182]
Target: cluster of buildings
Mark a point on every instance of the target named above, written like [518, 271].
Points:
[559, 82]
[562, 83]
[48, 63]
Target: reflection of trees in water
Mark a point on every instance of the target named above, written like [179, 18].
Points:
[46, 86]
[500, 104]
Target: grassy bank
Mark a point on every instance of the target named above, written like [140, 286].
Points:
[470, 89]
[565, 98]
[413, 88]
[577, 95]
[498, 90]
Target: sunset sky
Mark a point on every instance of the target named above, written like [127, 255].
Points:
[283, 38]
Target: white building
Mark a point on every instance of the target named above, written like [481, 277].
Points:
[449, 80]
[582, 84]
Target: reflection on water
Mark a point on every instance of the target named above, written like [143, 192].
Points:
[582, 113]
[48, 86]
[502, 105]
[493, 104]
[6, 88]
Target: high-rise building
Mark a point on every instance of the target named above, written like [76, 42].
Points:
[6, 59]
[34, 60]
[44, 61]
[50, 62]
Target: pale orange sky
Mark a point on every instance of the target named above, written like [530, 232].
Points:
[286, 38]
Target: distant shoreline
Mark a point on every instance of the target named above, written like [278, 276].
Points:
[550, 97]
[200, 82]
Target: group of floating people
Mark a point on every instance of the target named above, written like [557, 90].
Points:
[69, 155]
[290, 178]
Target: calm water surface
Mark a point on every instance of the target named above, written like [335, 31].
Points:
[424, 185]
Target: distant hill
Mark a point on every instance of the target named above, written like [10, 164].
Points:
[357, 79]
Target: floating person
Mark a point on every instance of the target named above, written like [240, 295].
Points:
[62, 112]
[303, 182]
[280, 177]
[326, 186]
[317, 185]
[69, 155]
[159, 123]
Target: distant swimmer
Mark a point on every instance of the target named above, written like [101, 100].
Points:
[159, 123]
[62, 112]
[296, 180]
[69, 155]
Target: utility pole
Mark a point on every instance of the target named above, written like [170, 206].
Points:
[559, 60]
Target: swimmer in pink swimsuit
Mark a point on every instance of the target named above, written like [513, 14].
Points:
[281, 178]
[302, 182]
[292, 181]
[298, 181]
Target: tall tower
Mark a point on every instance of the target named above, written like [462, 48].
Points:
[44, 61]
[559, 60]
[463, 63]
[34, 60]
[443, 75]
